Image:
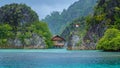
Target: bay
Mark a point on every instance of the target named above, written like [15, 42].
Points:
[58, 58]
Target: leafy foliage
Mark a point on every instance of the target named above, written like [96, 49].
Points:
[106, 16]
[21, 22]
[41, 28]
[107, 10]
[110, 41]
[70, 28]
[5, 33]
[17, 14]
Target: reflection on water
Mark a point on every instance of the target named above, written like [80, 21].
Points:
[58, 59]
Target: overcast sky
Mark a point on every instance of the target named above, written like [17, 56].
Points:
[42, 7]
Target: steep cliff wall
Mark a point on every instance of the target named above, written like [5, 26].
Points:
[106, 15]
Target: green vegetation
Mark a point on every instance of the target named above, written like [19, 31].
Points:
[5, 33]
[93, 27]
[19, 22]
[58, 21]
[105, 23]
[71, 28]
[110, 41]
[42, 29]
[17, 15]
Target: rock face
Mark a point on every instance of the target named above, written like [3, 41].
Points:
[93, 35]
[35, 41]
[74, 35]
[73, 41]
[106, 15]
[97, 29]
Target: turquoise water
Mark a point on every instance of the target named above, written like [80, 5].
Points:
[58, 58]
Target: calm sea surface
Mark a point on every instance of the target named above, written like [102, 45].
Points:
[58, 58]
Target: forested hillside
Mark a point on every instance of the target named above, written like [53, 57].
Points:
[102, 29]
[71, 28]
[57, 21]
[106, 17]
[20, 27]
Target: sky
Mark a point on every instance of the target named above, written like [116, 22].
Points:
[42, 7]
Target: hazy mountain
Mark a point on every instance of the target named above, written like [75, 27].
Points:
[57, 21]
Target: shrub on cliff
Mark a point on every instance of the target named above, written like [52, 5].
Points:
[110, 41]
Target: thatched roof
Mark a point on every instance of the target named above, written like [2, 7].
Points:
[57, 38]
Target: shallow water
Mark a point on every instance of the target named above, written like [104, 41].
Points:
[58, 58]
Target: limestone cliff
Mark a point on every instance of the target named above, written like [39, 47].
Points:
[106, 15]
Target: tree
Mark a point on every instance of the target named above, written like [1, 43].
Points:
[17, 15]
[5, 33]
[110, 41]
[18, 21]
[41, 28]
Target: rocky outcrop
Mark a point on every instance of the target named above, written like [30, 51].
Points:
[73, 41]
[35, 41]
[74, 35]
[106, 15]
[110, 10]
[93, 35]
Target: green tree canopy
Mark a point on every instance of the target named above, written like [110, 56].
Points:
[18, 21]
[110, 41]
[5, 33]
[17, 14]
